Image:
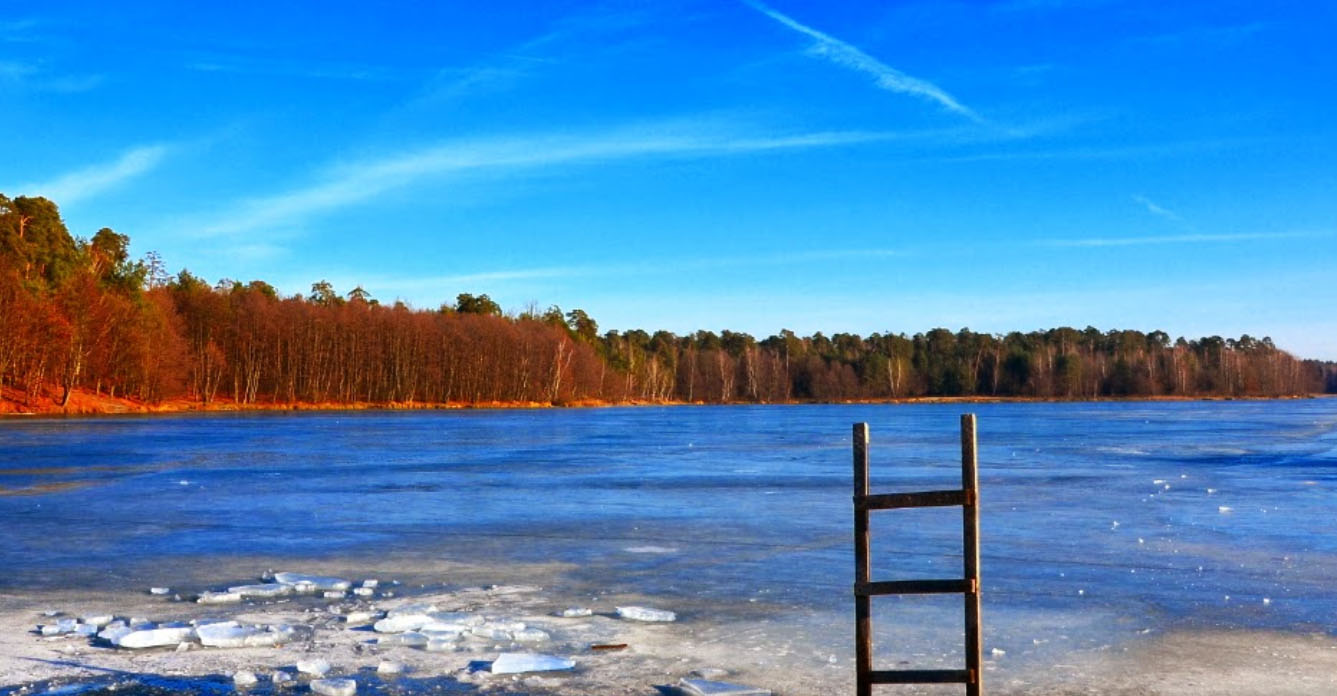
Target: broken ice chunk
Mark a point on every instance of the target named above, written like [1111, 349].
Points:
[84, 629]
[364, 591]
[334, 687]
[646, 614]
[264, 590]
[529, 635]
[370, 583]
[411, 639]
[414, 608]
[390, 667]
[515, 663]
[439, 645]
[154, 637]
[280, 677]
[218, 598]
[49, 630]
[575, 612]
[315, 582]
[334, 594]
[1224, 509]
[245, 677]
[159, 590]
[113, 634]
[702, 687]
[401, 623]
[99, 620]
[360, 617]
[226, 634]
[315, 666]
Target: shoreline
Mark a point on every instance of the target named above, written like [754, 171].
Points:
[83, 403]
[790, 650]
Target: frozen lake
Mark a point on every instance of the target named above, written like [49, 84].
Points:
[1100, 522]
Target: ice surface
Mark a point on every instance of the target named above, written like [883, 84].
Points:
[575, 612]
[314, 666]
[245, 677]
[154, 637]
[702, 687]
[315, 582]
[439, 645]
[334, 687]
[710, 673]
[515, 663]
[646, 614]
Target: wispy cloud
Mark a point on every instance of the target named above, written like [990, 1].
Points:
[12, 70]
[95, 179]
[355, 182]
[1179, 239]
[19, 30]
[885, 77]
[1157, 210]
[35, 77]
[1081, 152]
[319, 70]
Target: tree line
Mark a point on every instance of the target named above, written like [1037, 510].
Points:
[80, 314]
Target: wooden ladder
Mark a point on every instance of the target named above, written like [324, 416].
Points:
[864, 588]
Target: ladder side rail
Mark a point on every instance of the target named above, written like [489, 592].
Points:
[863, 604]
[970, 538]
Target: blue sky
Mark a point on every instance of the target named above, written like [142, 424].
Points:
[862, 167]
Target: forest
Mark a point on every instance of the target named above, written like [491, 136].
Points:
[80, 315]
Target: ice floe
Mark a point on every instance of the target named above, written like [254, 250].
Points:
[154, 637]
[334, 687]
[516, 663]
[311, 583]
[263, 591]
[230, 634]
[219, 598]
[703, 687]
[575, 612]
[646, 614]
[313, 666]
[245, 678]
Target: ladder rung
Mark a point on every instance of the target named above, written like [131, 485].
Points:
[887, 501]
[921, 676]
[966, 586]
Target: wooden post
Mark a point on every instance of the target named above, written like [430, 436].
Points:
[863, 604]
[970, 532]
